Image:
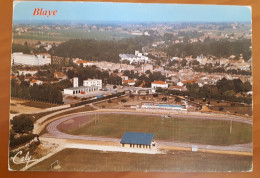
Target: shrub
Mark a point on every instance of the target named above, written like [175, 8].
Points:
[177, 99]
[123, 100]
[155, 95]
[22, 124]
[21, 140]
[132, 96]
[164, 99]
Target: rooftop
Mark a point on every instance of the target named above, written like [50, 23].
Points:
[158, 82]
[137, 138]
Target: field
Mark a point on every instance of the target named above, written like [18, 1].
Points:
[38, 104]
[228, 107]
[27, 106]
[201, 131]
[66, 34]
[89, 160]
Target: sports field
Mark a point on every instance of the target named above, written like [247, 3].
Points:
[201, 131]
[90, 160]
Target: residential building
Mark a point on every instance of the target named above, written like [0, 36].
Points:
[37, 82]
[129, 82]
[93, 83]
[136, 58]
[159, 84]
[202, 59]
[60, 75]
[25, 72]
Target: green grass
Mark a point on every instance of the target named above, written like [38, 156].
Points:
[89, 160]
[64, 35]
[213, 132]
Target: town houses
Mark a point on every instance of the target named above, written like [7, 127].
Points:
[134, 58]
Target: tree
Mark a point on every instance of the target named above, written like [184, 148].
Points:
[183, 62]
[123, 100]
[247, 87]
[164, 99]
[70, 74]
[177, 99]
[155, 95]
[22, 124]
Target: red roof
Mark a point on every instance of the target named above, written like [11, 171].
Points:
[189, 81]
[59, 74]
[159, 82]
[33, 81]
[128, 81]
[81, 61]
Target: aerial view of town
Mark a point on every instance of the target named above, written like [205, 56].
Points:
[118, 87]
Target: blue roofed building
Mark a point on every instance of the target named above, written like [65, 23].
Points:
[137, 140]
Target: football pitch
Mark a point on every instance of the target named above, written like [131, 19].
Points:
[200, 131]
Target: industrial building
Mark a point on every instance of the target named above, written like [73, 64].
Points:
[29, 59]
[137, 140]
[163, 106]
[88, 86]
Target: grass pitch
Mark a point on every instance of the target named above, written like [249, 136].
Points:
[201, 131]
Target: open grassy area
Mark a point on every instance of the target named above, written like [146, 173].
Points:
[213, 132]
[41, 105]
[89, 160]
[64, 35]
[237, 110]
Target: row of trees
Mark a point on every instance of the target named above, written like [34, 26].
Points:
[45, 92]
[222, 48]
[223, 90]
[21, 48]
[221, 70]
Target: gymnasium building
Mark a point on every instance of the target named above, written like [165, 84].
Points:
[137, 140]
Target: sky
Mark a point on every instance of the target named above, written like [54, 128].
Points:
[130, 12]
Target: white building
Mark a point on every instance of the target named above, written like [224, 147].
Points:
[159, 84]
[137, 58]
[163, 106]
[93, 83]
[28, 59]
[84, 63]
[25, 72]
[146, 67]
[202, 59]
[88, 86]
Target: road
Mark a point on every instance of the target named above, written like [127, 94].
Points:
[53, 132]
